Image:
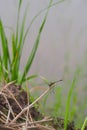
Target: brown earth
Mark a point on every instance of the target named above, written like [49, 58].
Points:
[13, 100]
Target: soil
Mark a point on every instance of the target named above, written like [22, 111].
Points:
[13, 100]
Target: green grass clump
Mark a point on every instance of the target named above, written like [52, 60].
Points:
[9, 66]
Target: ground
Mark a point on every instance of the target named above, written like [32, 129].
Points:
[16, 113]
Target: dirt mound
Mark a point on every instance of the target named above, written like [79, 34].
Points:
[17, 112]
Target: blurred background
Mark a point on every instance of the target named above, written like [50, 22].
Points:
[63, 45]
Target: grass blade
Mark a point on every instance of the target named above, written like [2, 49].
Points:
[14, 48]
[4, 42]
[68, 102]
[84, 124]
[30, 77]
[18, 17]
[18, 48]
[1, 70]
[33, 52]
[34, 18]
[20, 3]
[20, 45]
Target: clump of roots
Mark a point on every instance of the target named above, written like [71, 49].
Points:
[17, 112]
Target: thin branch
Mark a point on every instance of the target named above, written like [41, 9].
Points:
[9, 105]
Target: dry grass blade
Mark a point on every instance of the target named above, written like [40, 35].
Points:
[2, 114]
[28, 117]
[38, 88]
[45, 127]
[6, 128]
[11, 111]
[8, 116]
[34, 122]
[2, 119]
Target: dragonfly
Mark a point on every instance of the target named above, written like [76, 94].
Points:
[54, 83]
[50, 84]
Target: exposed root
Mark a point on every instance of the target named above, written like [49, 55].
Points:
[17, 111]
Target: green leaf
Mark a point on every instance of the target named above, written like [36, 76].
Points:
[84, 124]
[33, 52]
[14, 48]
[20, 3]
[6, 57]
[30, 77]
[38, 14]
[18, 48]
[68, 102]
[18, 17]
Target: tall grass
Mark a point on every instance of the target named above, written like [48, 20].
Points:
[70, 93]
[9, 66]
[68, 103]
